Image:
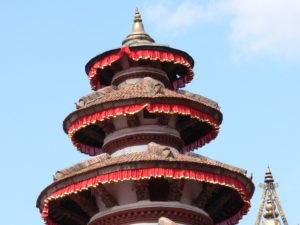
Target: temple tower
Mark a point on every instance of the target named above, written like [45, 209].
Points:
[140, 131]
[269, 192]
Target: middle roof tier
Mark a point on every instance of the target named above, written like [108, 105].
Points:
[140, 110]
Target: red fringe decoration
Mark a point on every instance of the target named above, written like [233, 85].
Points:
[132, 109]
[137, 55]
[147, 173]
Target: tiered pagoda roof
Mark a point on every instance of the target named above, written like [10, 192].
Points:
[145, 95]
[140, 49]
[140, 129]
[218, 177]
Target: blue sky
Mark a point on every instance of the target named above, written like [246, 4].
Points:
[247, 58]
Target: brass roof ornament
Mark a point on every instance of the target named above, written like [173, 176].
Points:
[270, 212]
[268, 176]
[138, 35]
[269, 191]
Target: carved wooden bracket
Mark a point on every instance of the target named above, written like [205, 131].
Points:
[204, 196]
[107, 126]
[163, 119]
[142, 189]
[88, 205]
[108, 200]
[133, 120]
[62, 214]
[176, 188]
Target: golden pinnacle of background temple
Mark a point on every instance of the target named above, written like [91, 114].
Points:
[269, 192]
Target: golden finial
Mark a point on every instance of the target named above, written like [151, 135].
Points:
[138, 34]
[268, 176]
[137, 16]
[271, 213]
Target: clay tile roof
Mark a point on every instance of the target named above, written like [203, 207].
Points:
[145, 90]
[142, 90]
[103, 160]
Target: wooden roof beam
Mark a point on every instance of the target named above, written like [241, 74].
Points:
[88, 205]
[203, 197]
[61, 214]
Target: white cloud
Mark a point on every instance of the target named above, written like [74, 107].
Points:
[266, 26]
[256, 26]
[167, 17]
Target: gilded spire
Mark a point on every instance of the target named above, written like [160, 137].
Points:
[138, 34]
[272, 202]
[268, 176]
[137, 16]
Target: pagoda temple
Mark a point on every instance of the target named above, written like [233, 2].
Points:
[270, 213]
[140, 130]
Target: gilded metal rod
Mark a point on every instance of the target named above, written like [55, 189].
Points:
[284, 220]
[261, 207]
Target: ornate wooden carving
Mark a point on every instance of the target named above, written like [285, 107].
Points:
[107, 126]
[204, 196]
[163, 119]
[176, 188]
[183, 124]
[142, 189]
[93, 134]
[62, 214]
[218, 202]
[133, 120]
[108, 200]
[227, 207]
[78, 219]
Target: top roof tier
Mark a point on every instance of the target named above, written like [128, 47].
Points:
[140, 49]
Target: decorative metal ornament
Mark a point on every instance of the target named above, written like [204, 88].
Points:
[269, 191]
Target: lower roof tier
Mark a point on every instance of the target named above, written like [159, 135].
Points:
[142, 102]
[102, 184]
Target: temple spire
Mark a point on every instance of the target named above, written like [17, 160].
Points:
[268, 176]
[269, 191]
[138, 34]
